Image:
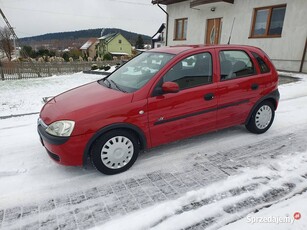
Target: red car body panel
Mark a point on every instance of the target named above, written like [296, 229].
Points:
[159, 119]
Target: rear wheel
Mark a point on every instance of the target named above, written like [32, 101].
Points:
[262, 118]
[115, 151]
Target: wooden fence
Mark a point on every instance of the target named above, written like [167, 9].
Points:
[24, 70]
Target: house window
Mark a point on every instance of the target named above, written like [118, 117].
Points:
[268, 21]
[119, 41]
[181, 26]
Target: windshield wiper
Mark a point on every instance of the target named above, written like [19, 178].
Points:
[119, 88]
[107, 80]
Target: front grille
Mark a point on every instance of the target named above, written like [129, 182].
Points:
[53, 156]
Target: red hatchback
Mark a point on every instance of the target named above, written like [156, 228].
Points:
[160, 96]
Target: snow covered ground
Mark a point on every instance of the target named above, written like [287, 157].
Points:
[214, 181]
[25, 96]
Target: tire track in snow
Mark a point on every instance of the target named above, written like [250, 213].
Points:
[91, 207]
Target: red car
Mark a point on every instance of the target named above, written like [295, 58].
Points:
[160, 96]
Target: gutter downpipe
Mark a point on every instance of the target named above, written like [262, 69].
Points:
[167, 18]
[303, 58]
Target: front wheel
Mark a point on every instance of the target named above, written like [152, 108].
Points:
[115, 151]
[262, 118]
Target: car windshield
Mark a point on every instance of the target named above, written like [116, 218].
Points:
[137, 72]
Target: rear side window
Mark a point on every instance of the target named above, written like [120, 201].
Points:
[235, 64]
[262, 65]
[192, 71]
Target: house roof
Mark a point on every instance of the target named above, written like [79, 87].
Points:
[162, 27]
[166, 2]
[89, 43]
[202, 2]
[108, 37]
[193, 3]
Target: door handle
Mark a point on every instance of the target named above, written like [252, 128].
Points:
[254, 86]
[209, 96]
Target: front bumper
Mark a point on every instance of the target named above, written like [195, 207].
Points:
[63, 150]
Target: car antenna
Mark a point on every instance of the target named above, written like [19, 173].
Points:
[233, 22]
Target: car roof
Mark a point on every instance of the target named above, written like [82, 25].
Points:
[183, 48]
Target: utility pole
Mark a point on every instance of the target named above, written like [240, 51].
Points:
[16, 39]
[11, 29]
[8, 24]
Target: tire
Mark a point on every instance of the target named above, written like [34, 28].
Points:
[262, 118]
[115, 151]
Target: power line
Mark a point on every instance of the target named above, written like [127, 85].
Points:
[16, 38]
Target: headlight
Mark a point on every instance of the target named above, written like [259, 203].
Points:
[61, 128]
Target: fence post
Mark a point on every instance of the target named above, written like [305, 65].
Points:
[2, 73]
[48, 71]
[18, 71]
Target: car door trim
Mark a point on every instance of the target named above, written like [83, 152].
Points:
[159, 122]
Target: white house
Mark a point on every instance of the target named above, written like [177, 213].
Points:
[158, 39]
[279, 27]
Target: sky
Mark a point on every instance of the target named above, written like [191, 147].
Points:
[37, 17]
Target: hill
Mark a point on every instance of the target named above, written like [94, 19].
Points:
[76, 39]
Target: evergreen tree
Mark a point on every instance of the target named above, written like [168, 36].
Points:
[27, 51]
[139, 42]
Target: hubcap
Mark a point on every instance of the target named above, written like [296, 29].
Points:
[117, 152]
[263, 117]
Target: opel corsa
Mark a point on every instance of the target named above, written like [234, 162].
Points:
[160, 96]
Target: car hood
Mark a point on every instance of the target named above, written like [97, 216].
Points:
[83, 101]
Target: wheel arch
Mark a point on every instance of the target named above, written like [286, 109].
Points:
[272, 97]
[125, 126]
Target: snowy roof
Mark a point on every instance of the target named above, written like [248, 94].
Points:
[156, 35]
[119, 53]
[107, 38]
[88, 43]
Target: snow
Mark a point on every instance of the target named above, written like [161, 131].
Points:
[28, 175]
[283, 212]
[289, 168]
[106, 72]
[86, 45]
[20, 97]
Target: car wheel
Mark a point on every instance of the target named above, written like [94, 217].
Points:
[262, 118]
[115, 151]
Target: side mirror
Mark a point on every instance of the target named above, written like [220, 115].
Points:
[170, 87]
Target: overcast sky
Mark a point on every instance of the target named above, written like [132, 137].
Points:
[37, 17]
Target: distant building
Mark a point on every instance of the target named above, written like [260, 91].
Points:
[115, 44]
[158, 39]
[89, 48]
[279, 27]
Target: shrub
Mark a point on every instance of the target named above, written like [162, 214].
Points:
[94, 67]
[107, 57]
[107, 67]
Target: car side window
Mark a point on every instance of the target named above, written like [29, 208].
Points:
[192, 71]
[262, 65]
[235, 64]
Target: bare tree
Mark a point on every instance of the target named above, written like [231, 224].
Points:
[6, 45]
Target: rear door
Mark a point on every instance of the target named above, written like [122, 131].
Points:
[239, 88]
[192, 110]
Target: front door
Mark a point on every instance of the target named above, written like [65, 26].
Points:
[213, 34]
[192, 110]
